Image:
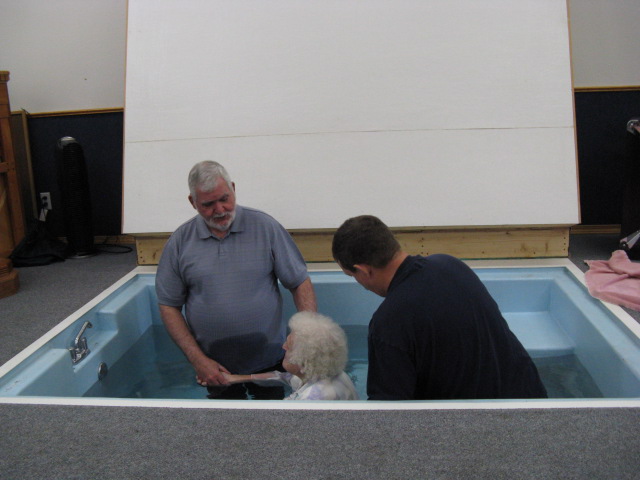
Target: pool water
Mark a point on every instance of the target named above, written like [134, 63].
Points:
[154, 367]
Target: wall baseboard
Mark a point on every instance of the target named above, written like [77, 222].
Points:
[461, 242]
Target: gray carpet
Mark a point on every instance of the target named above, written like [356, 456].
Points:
[115, 443]
[136, 443]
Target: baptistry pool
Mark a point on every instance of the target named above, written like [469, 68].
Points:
[587, 352]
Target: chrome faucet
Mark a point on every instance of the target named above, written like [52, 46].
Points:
[79, 350]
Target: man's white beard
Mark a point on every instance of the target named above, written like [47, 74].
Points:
[221, 227]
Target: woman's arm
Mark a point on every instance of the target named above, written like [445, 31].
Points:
[250, 378]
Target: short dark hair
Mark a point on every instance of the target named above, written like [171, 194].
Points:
[364, 240]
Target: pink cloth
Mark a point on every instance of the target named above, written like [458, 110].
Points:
[616, 280]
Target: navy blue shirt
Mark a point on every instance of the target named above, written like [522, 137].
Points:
[440, 335]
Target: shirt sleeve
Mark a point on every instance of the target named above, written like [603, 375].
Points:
[289, 265]
[272, 379]
[170, 288]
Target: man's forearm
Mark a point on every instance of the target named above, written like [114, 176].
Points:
[304, 297]
[177, 327]
[208, 371]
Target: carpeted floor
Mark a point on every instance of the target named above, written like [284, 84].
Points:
[66, 442]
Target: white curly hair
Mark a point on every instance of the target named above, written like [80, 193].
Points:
[319, 346]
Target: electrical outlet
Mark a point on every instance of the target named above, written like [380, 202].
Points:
[45, 200]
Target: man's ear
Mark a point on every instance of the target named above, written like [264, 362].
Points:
[193, 204]
[363, 268]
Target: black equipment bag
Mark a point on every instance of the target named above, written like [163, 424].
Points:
[38, 247]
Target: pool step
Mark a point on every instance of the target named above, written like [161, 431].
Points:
[539, 333]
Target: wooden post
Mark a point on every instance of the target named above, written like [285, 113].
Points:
[11, 214]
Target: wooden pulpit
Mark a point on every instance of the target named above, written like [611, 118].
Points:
[11, 214]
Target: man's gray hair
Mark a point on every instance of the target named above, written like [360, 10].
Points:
[205, 175]
[319, 346]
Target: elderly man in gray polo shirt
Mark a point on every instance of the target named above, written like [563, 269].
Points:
[223, 267]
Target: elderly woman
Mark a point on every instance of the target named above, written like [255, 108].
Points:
[315, 357]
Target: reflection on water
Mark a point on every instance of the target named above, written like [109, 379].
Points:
[565, 377]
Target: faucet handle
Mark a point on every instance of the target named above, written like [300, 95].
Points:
[79, 350]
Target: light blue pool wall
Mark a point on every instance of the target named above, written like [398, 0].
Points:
[548, 310]
[583, 326]
[117, 323]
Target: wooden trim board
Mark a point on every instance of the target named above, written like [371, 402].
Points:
[461, 242]
[69, 113]
[620, 88]
[596, 229]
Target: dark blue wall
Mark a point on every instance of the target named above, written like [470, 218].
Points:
[603, 148]
[101, 137]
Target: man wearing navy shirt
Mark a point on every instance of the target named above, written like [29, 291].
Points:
[438, 334]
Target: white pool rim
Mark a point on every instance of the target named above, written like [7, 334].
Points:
[622, 315]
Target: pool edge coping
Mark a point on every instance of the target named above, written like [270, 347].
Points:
[618, 311]
[353, 405]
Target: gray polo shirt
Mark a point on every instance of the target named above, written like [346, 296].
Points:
[229, 287]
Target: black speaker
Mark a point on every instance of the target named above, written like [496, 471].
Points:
[73, 183]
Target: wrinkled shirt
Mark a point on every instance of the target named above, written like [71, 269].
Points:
[229, 287]
[439, 335]
[339, 387]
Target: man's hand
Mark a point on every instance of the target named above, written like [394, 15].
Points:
[210, 373]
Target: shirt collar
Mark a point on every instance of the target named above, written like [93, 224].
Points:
[404, 270]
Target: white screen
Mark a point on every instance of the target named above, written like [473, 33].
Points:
[439, 113]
